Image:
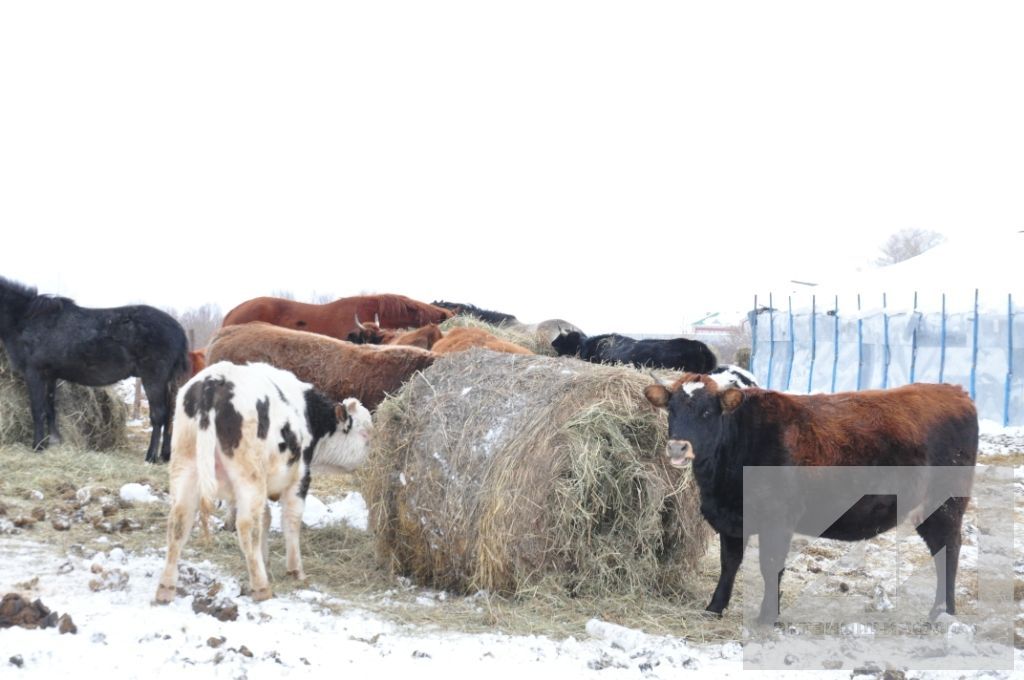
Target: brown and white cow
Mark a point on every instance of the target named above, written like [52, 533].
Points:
[721, 430]
[246, 434]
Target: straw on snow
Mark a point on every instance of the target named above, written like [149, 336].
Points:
[508, 472]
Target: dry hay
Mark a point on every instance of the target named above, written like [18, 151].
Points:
[514, 334]
[509, 473]
[88, 417]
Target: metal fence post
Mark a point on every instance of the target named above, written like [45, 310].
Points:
[835, 345]
[792, 345]
[771, 340]
[974, 348]
[885, 341]
[814, 344]
[913, 341]
[942, 342]
[1009, 359]
[753, 334]
[860, 345]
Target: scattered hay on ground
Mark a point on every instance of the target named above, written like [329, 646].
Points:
[517, 474]
[88, 417]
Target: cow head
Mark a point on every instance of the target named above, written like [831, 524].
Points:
[697, 410]
[367, 333]
[348, 446]
[568, 343]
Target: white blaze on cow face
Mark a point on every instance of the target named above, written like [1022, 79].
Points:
[348, 447]
[691, 387]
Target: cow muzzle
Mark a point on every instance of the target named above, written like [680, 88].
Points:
[679, 452]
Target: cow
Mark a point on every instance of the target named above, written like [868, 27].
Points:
[720, 430]
[485, 315]
[370, 333]
[196, 361]
[337, 368]
[249, 433]
[680, 354]
[337, 319]
[463, 338]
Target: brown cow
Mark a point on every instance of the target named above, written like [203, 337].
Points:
[337, 319]
[338, 369]
[721, 430]
[370, 333]
[196, 361]
[461, 339]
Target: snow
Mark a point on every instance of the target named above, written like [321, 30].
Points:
[350, 510]
[956, 268]
[306, 633]
[138, 493]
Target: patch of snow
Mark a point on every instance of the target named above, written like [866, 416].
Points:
[351, 510]
[138, 493]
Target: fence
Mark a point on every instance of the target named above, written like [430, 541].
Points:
[829, 349]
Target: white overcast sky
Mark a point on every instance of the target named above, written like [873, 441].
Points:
[626, 166]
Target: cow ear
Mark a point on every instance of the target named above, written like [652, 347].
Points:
[658, 395]
[351, 405]
[731, 400]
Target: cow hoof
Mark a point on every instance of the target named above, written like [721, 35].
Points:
[297, 575]
[710, 614]
[165, 594]
[262, 594]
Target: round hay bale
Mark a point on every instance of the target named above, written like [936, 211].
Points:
[88, 417]
[515, 334]
[506, 472]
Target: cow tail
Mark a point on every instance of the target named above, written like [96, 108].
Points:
[206, 474]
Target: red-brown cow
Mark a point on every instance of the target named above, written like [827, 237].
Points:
[370, 333]
[337, 368]
[463, 338]
[337, 319]
[723, 430]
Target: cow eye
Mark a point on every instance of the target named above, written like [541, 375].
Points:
[706, 413]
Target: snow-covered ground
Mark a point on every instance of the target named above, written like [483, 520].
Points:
[108, 594]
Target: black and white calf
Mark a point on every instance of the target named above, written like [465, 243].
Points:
[246, 434]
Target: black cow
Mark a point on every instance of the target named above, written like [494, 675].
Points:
[722, 430]
[486, 315]
[680, 354]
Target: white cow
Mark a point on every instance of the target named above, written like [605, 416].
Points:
[246, 434]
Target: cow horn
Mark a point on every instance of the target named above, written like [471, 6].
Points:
[376, 319]
[359, 325]
[660, 381]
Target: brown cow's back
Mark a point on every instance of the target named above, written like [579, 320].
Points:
[461, 339]
[337, 319]
[338, 369]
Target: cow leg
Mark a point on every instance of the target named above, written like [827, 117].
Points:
[184, 503]
[250, 499]
[292, 506]
[941, 532]
[266, 534]
[774, 546]
[156, 394]
[731, 555]
[51, 410]
[37, 389]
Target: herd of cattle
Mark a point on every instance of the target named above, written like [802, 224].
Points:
[285, 385]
